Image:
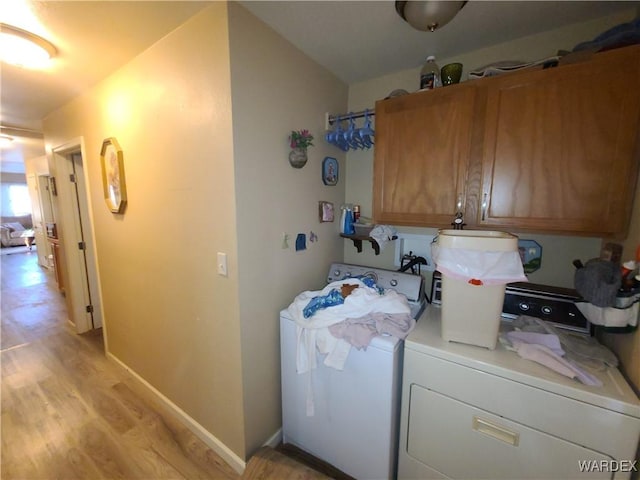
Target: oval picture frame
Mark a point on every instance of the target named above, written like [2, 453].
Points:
[113, 181]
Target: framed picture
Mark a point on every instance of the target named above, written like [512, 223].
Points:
[114, 187]
[530, 254]
[325, 211]
[330, 171]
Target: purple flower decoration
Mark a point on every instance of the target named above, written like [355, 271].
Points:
[301, 139]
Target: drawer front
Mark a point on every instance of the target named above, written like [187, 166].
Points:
[602, 430]
[461, 441]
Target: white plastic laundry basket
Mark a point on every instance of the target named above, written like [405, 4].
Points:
[475, 267]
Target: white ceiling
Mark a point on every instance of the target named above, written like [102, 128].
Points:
[93, 38]
[356, 40]
[359, 40]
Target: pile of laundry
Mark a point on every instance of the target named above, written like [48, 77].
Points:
[568, 354]
[346, 313]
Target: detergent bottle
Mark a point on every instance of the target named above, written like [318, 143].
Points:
[346, 221]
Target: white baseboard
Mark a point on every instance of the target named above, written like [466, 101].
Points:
[210, 440]
[274, 440]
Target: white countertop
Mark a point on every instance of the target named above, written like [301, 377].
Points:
[615, 394]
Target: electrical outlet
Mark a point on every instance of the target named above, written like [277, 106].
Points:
[222, 264]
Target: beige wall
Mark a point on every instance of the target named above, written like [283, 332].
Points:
[558, 251]
[276, 89]
[203, 118]
[168, 316]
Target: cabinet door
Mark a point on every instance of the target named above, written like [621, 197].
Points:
[421, 156]
[560, 146]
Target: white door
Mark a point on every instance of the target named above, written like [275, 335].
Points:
[76, 236]
[85, 253]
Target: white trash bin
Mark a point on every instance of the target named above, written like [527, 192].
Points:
[475, 266]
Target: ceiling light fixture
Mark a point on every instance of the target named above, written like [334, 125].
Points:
[24, 49]
[5, 141]
[428, 15]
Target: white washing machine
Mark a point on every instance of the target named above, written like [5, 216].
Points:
[470, 412]
[355, 425]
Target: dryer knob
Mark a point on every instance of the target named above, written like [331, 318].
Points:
[524, 306]
[336, 273]
[394, 283]
[546, 310]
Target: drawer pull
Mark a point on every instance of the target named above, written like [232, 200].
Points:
[484, 206]
[496, 431]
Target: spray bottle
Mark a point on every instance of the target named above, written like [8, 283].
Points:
[346, 221]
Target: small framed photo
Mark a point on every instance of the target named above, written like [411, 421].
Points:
[330, 171]
[326, 211]
[115, 190]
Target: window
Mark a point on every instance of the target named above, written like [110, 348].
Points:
[18, 199]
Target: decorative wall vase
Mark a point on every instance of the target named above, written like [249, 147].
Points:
[298, 157]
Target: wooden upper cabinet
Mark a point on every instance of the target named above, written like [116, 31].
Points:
[560, 149]
[421, 156]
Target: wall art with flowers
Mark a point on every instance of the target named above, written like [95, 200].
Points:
[299, 141]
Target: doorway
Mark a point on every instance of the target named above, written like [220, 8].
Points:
[76, 238]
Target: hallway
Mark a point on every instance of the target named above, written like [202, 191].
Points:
[69, 413]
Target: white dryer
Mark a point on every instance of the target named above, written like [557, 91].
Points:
[470, 412]
[355, 425]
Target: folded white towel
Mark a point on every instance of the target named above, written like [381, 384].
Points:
[546, 349]
[547, 339]
[545, 356]
[383, 234]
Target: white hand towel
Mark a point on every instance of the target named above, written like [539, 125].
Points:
[549, 340]
[382, 234]
[545, 356]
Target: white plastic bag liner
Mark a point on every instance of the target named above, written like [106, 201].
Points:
[477, 266]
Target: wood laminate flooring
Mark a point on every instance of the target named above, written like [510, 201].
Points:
[67, 412]
[268, 463]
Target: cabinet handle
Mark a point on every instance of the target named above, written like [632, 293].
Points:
[496, 431]
[484, 206]
[459, 203]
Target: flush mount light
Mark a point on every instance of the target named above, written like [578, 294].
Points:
[428, 15]
[5, 141]
[24, 49]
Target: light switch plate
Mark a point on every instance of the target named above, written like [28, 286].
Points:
[222, 264]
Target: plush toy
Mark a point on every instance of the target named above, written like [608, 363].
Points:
[346, 289]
